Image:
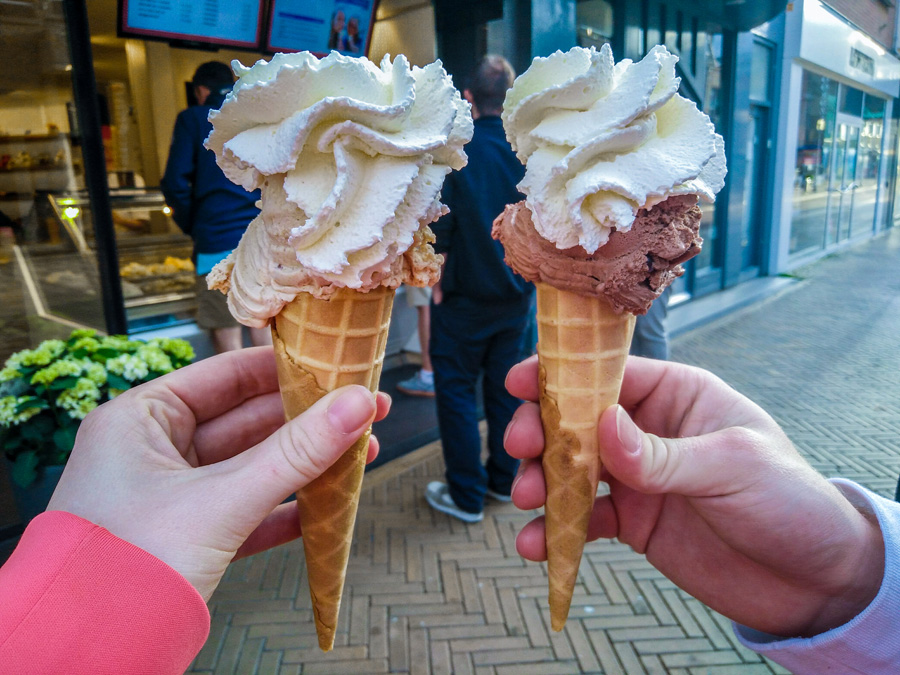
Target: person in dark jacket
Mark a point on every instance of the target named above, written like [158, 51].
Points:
[481, 310]
[207, 206]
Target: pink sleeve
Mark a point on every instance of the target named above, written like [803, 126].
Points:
[76, 599]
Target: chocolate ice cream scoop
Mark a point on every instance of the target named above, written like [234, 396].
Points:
[630, 271]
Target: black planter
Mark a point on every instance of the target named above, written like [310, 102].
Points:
[32, 500]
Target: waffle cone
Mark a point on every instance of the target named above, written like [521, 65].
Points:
[321, 345]
[582, 348]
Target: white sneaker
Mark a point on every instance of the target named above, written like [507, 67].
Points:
[499, 497]
[437, 494]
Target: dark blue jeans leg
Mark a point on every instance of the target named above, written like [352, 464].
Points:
[456, 360]
[506, 349]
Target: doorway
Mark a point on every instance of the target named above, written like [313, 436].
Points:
[842, 184]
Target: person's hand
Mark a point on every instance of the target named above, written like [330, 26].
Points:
[708, 486]
[437, 292]
[193, 467]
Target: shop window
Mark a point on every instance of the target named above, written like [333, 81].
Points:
[866, 196]
[816, 129]
[594, 20]
[712, 106]
[49, 279]
[760, 69]
[851, 101]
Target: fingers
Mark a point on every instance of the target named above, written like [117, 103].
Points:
[304, 447]
[374, 448]
[531, 543]
[529, 490]
[522, 380]
[215, 385]
[279, 527]
[524, 436]
[382, 405]
[237, 429]
[701, 466]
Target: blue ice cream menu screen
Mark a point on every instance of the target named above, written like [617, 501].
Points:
[321, 26]
[236, 23]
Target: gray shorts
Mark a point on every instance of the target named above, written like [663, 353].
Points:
[212, 308]
[418, 297]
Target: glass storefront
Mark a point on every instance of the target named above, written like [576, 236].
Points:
[835, 191]
[69, 259]
[41, 249]
[594, 23]
[706, 272]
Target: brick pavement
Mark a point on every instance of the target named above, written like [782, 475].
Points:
[428, 594]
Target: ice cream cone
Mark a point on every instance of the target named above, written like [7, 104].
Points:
[582, 348]
[321, 345]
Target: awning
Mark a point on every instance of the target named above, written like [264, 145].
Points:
[742, 15]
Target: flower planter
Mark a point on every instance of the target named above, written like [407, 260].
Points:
[32, 500]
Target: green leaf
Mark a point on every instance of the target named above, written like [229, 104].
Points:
[61, 383]
[24, 469]
[64, 439]
[37, 428]
[117, 381]
[31, 402]
[10, 442]
[107, 353]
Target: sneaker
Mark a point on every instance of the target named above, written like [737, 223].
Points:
[416, 386]
[437, 494]
[498, 496]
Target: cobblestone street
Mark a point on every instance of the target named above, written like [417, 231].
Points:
[428, 594]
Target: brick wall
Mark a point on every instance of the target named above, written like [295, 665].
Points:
[872, 16]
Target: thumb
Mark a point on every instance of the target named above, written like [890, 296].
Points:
[305, 447]
[694, 466]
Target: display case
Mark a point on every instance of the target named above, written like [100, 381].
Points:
[59, 261]
[33, 163]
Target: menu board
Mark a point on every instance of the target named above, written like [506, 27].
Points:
[320, 26]
[235, 23]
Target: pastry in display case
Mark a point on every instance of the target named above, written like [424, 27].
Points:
[157, 275]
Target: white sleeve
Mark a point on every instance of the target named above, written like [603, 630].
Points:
[869, 644]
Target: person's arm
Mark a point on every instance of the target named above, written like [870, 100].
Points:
[864, 644]
[177, 183]
[707, 485]
[78, 600]
[167, 484]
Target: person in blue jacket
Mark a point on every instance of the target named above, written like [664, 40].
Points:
[206, 205]
[481, 309]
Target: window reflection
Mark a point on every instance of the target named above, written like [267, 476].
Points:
[594, 19]
[868, 165]
[818, 105]
[838, 162]
[711, 106]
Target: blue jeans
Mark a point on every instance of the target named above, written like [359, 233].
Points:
[469, 341]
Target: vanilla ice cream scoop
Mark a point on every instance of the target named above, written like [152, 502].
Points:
[351, 158]
[602, 140]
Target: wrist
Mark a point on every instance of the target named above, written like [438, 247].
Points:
[858, 580]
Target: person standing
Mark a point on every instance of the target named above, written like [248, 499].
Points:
[207, 206]
[651, 339]
[480, 308]
[422, 382]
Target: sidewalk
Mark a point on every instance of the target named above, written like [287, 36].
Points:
[428, 594]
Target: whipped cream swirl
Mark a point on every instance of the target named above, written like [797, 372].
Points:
[350, 157]
[602, 140]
